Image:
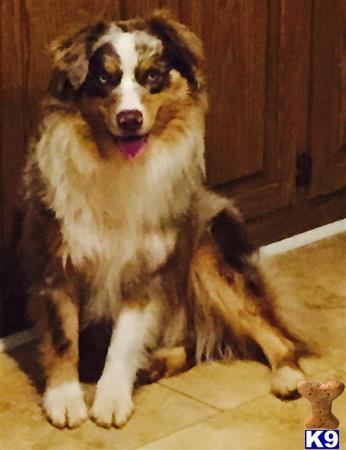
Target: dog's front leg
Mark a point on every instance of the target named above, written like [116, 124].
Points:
[55, 312]
[113, 403]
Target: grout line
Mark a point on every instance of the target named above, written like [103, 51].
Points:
[283, 246]
[220, 410]
[178, 430]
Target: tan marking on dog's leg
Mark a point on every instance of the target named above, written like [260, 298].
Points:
[58, 325]
[275, 346]
[167, 362]
[280, 353]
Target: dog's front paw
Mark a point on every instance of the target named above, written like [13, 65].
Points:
[111, 408]
[284, 382]
[64, 405]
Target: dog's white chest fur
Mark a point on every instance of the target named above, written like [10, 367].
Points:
[111, 212]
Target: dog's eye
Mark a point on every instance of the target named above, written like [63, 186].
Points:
[103, 78]
[153, 76]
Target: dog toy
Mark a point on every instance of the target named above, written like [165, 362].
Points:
[321, 396]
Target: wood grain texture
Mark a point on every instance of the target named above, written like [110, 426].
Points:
[328, 97]
[139, 8]
[285, 113]
[234, 35]
[12, 110]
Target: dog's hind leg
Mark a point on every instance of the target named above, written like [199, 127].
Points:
[240, 298]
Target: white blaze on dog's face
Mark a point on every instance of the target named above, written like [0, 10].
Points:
[129, 88]
[137, 78]
[134, 49]
[125, 69]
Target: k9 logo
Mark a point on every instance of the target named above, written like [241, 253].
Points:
[321, 438]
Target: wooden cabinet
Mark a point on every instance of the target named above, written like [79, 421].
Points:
[277, 81]
[276, 129]
[327, 127]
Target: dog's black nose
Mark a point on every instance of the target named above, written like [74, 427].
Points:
[130, 120]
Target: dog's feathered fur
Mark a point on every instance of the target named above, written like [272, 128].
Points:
[137, 242]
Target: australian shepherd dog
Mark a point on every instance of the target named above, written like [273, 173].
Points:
[120, 228]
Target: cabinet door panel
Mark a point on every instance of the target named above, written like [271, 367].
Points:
[11, 111]
[328, 107]
[235, 44]
[257, 58]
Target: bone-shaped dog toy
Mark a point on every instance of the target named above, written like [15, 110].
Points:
[321, 395]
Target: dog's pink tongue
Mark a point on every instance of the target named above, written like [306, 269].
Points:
[131, 147]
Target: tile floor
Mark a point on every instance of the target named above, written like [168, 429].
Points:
[212, 406]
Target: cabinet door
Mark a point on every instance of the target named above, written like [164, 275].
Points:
[328, 101]
[257, 61]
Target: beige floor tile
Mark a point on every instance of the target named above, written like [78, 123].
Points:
[313, 365]
[263, 423]
[223, 385]
[159, 412]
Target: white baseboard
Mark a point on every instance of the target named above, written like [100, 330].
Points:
[16, 339]
[299, 240]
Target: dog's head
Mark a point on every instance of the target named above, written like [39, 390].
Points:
[129, 79]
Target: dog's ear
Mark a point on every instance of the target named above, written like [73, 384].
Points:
[182, 48]
[71, 59]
